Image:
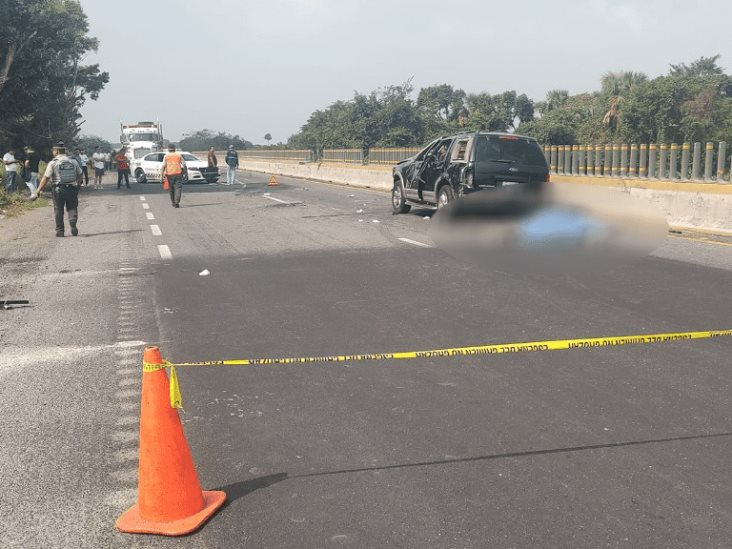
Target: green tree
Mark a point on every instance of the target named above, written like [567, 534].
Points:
[90, 142]
[615, 87]
[702, 67]
[201, 140]
[268, 137]
[43, 81]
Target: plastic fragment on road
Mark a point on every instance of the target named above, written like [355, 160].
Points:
[359, 211]
[204, 272]
[376, 221]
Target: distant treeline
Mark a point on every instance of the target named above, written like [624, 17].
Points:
[204, 139]
[691, 103]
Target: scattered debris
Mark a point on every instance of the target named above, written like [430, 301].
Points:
[9, 304]
[204, 272]
[376, 221]
[359, 211]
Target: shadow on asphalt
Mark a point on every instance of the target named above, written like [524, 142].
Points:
[244, 488]
[88, 235]
[527, 453]
[199, 205]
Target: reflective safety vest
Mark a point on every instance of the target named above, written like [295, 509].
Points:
[173, 162]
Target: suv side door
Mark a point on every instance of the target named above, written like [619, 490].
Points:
[439, 160]
[413, 173]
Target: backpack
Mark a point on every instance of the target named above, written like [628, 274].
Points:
[67, 172]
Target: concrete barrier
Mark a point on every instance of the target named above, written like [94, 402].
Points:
[698, 206]
[371, 177]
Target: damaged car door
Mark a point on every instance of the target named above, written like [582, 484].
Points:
[425, 170]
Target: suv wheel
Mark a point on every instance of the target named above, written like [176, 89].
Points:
[444, 197]
[140, 176]
[398, 199]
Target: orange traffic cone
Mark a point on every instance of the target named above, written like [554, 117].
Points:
[169, 497]
[273, 182]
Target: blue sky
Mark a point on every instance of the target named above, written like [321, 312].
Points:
[252, 67]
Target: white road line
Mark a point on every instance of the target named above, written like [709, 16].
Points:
[415, 243]
[164, 251]
[156, 230]
[143, 198]
[145, 206]
[150, 216]
[275, 199]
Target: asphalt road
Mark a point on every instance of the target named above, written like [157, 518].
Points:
[621, 447]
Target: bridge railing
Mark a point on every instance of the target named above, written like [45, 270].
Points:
[705, 162]
[302, 155]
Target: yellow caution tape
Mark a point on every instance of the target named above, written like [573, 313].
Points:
[497, 348]
[475, 350]
[176, 400]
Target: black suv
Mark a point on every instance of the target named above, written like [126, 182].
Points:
[450, 167]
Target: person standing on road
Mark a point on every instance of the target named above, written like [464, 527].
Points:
[11, 171]
[213, 164]
[123, 168]
[65, 176]
[232, 163]
[84, 166]
[107, 161]
[174, 167]
[98, 159]
[32, 162]
[76, 157]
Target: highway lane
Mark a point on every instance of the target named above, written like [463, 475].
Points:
[615, 447]
[430, 453]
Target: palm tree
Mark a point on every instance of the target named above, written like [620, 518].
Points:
[268, 137]
[615, 88]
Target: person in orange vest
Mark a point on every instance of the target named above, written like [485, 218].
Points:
[174, 168]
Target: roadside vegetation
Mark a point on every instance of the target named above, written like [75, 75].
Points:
[690, 103]
[43, 81]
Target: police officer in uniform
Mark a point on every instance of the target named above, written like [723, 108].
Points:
[174, 168]
[65, 176]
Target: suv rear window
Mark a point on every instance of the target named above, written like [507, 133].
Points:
[515, 150]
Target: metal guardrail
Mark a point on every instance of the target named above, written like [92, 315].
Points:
[390, 155]
[302, 155]
[674, 162]
[352, 156]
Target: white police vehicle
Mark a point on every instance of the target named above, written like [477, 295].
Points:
[150, 167]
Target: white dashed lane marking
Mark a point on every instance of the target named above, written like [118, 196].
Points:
[275, 199]
[164, 251]
[156, 230]
[145, 206]
[414, 243]
[150, 216]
